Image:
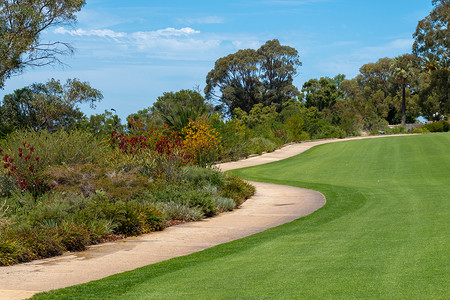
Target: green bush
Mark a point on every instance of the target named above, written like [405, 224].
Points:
[74, 237]
[199, 177]
[11, 251]
[187, 195]
[330, 131]
[47, 213]
[394, 130]
[202, 200]
[38, 241]
[181, 212]
[260, 145]
[421, 129]
[441, 126]
[7, 186]
[140, 218]
[237, 189]
[99, 229]
[224, 204]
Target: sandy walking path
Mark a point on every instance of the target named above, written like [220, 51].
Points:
[272, 205]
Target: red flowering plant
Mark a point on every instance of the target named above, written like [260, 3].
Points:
[24, 167]
[159, 139]
[157, 151]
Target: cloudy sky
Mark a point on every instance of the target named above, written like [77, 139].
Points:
[135, 50]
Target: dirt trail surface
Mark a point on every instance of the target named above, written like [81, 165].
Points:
[272, 205]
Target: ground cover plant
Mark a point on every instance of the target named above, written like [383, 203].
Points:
[382, 234]
[63, 191]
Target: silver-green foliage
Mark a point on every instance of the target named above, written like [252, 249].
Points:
[180, 211]
[224, 204]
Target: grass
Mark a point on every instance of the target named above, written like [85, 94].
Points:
[382, 234]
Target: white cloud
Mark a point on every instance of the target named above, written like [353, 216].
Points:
[168, 38]
[169, 43]
[95, 32]
[167, 32]
[178, 44]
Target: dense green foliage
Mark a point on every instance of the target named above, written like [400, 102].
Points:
[51, 106]
[382, 234]
[175, 109]
[248, 77]
[432, 34]
[432, 46]
[322, 93]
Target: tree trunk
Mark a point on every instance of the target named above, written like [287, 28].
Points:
[403, 104]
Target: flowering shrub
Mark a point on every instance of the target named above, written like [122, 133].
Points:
[156, 152]
[140, 138]
[201, 142]
[25, 169]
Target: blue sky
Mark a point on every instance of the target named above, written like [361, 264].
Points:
[134, 51]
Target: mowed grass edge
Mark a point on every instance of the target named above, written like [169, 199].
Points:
[382, 234]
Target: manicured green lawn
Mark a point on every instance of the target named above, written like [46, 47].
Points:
[384, 233]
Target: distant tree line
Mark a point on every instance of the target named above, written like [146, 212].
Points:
[251, 86]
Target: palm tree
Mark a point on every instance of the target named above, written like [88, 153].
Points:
[403, 70]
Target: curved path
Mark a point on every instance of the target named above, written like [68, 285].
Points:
[272, 205]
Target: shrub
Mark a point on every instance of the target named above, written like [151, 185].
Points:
[141, 218]
[74, 237]
[11, 251]
[180, 211]
[158, 139]
[59, 147]
[394, 130]
[26, 154]
[24, 242]
[441, 126]
[421, 129]
[235, 136]
[201, 199]
[237, 189]
[224, 204]
[46, 212]
[198, 177]
[186, 195]
[330, 131]
[99, 229]
[260, 145]
[154, 165]
[201, 142]
[86, 179]
[3, 209]
[24, 169]
[294, 126]
[37, 241]
[7, 186]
